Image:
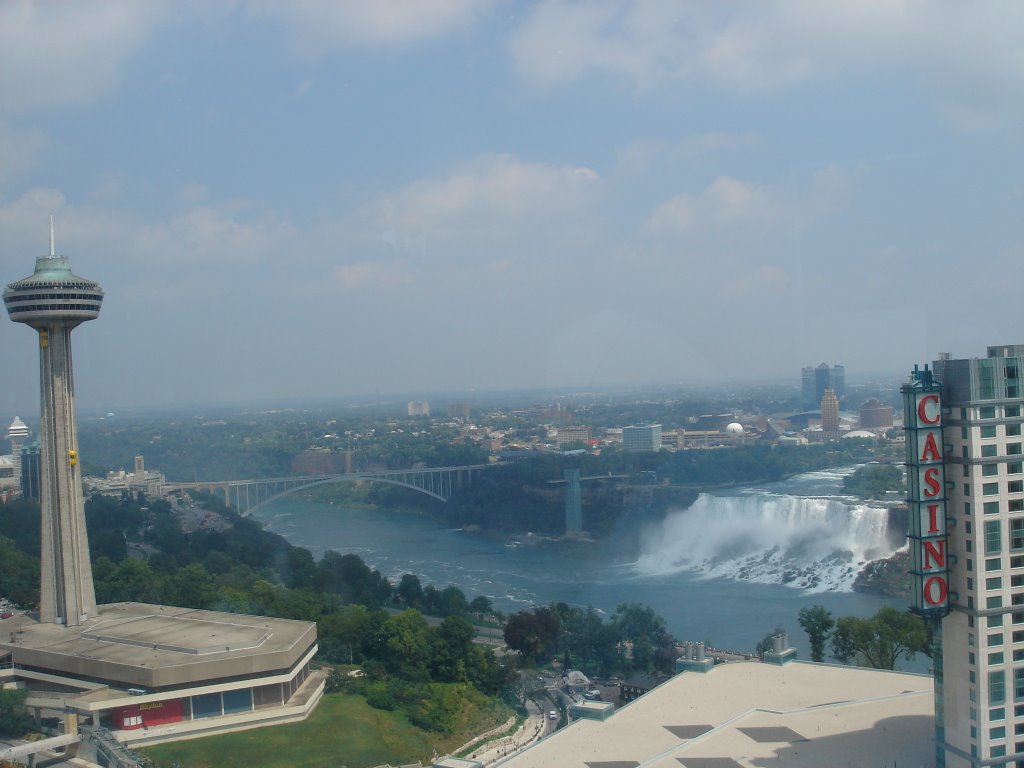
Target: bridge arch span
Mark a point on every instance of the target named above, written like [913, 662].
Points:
[339, 479]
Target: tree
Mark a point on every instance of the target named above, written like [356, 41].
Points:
[481, 606]
[881, 640]
[817, 622]
[14, 718]
[410, 590]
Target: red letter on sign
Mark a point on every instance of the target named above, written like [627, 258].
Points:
[930, 449]
[922, 409]
[934, 550]
[935, 591]
[933, 518]
[931, 482]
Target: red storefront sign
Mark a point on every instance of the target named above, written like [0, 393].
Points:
[148, 715]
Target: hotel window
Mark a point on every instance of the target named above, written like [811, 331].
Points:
[993, 540]
[998, 751]
[1015, 486]
[994, 640]
[1018, 684]
[1013, 449]
[987, 412]
[1013, 430]
[1016, 505]
[1017, 533]
[1015, 467]
[967, 525]
[1012, 411]
[995, 621]
[997, 733]
[990, 489]
[994, 583]
[993, 564]
[995, 658]
[996, 601]
[989, 431]
[997, 714]
[990, 470]
[991, 507]
[996, 688]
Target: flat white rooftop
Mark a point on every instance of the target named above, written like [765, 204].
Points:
[749, 714]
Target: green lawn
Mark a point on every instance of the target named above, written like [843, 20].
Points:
[343, 731]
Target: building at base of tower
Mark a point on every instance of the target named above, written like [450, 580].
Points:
[154, 673]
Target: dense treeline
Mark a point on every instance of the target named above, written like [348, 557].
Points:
[361, 618]
[875, 481]
[634, 639]
[266, 445]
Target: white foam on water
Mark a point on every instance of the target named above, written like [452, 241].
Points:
[817, 544]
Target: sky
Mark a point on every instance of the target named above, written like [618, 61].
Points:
[312, 199]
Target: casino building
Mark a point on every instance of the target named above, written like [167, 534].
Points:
[979, 684]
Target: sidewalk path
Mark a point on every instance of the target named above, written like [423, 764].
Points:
[532, 730]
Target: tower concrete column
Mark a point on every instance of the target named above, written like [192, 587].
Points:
[54, 301]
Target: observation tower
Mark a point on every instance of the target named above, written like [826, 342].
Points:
[54, 301]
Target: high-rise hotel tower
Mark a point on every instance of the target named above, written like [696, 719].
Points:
[54, 301]
[967, 548]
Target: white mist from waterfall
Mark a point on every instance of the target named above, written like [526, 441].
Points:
[809, 543]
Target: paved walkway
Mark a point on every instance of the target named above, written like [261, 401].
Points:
[531, 731]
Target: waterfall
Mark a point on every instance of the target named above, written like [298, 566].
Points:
[817, 544]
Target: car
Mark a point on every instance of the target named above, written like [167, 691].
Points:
[592, 695]
[553, 714]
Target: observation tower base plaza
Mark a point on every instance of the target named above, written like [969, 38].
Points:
[154, 673]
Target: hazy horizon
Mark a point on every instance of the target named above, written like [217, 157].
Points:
[304, 201]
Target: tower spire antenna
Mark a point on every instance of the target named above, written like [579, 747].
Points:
[52, 251]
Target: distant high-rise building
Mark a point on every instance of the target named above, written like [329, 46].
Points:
[458, 410]
[875, 414]
[965, 465]
[29, 470]
[418, 408]
[830, 415]
[54, 301]
[571, 434]
[17, 433]
[815, 380]
[641, 439]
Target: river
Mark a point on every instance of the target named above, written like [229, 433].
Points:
[729, 569]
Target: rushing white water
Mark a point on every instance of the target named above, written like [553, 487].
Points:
[813, 543]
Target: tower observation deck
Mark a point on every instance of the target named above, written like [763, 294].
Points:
[54, 301]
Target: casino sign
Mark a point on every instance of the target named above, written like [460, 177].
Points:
[926, 495]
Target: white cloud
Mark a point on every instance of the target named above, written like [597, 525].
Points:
[725, 203]
[55, 54]
[491, 199]
[320, 24]
[970, 53]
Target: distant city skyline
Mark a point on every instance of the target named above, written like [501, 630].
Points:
[296, 201]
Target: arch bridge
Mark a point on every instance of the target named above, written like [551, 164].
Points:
[246, 496]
